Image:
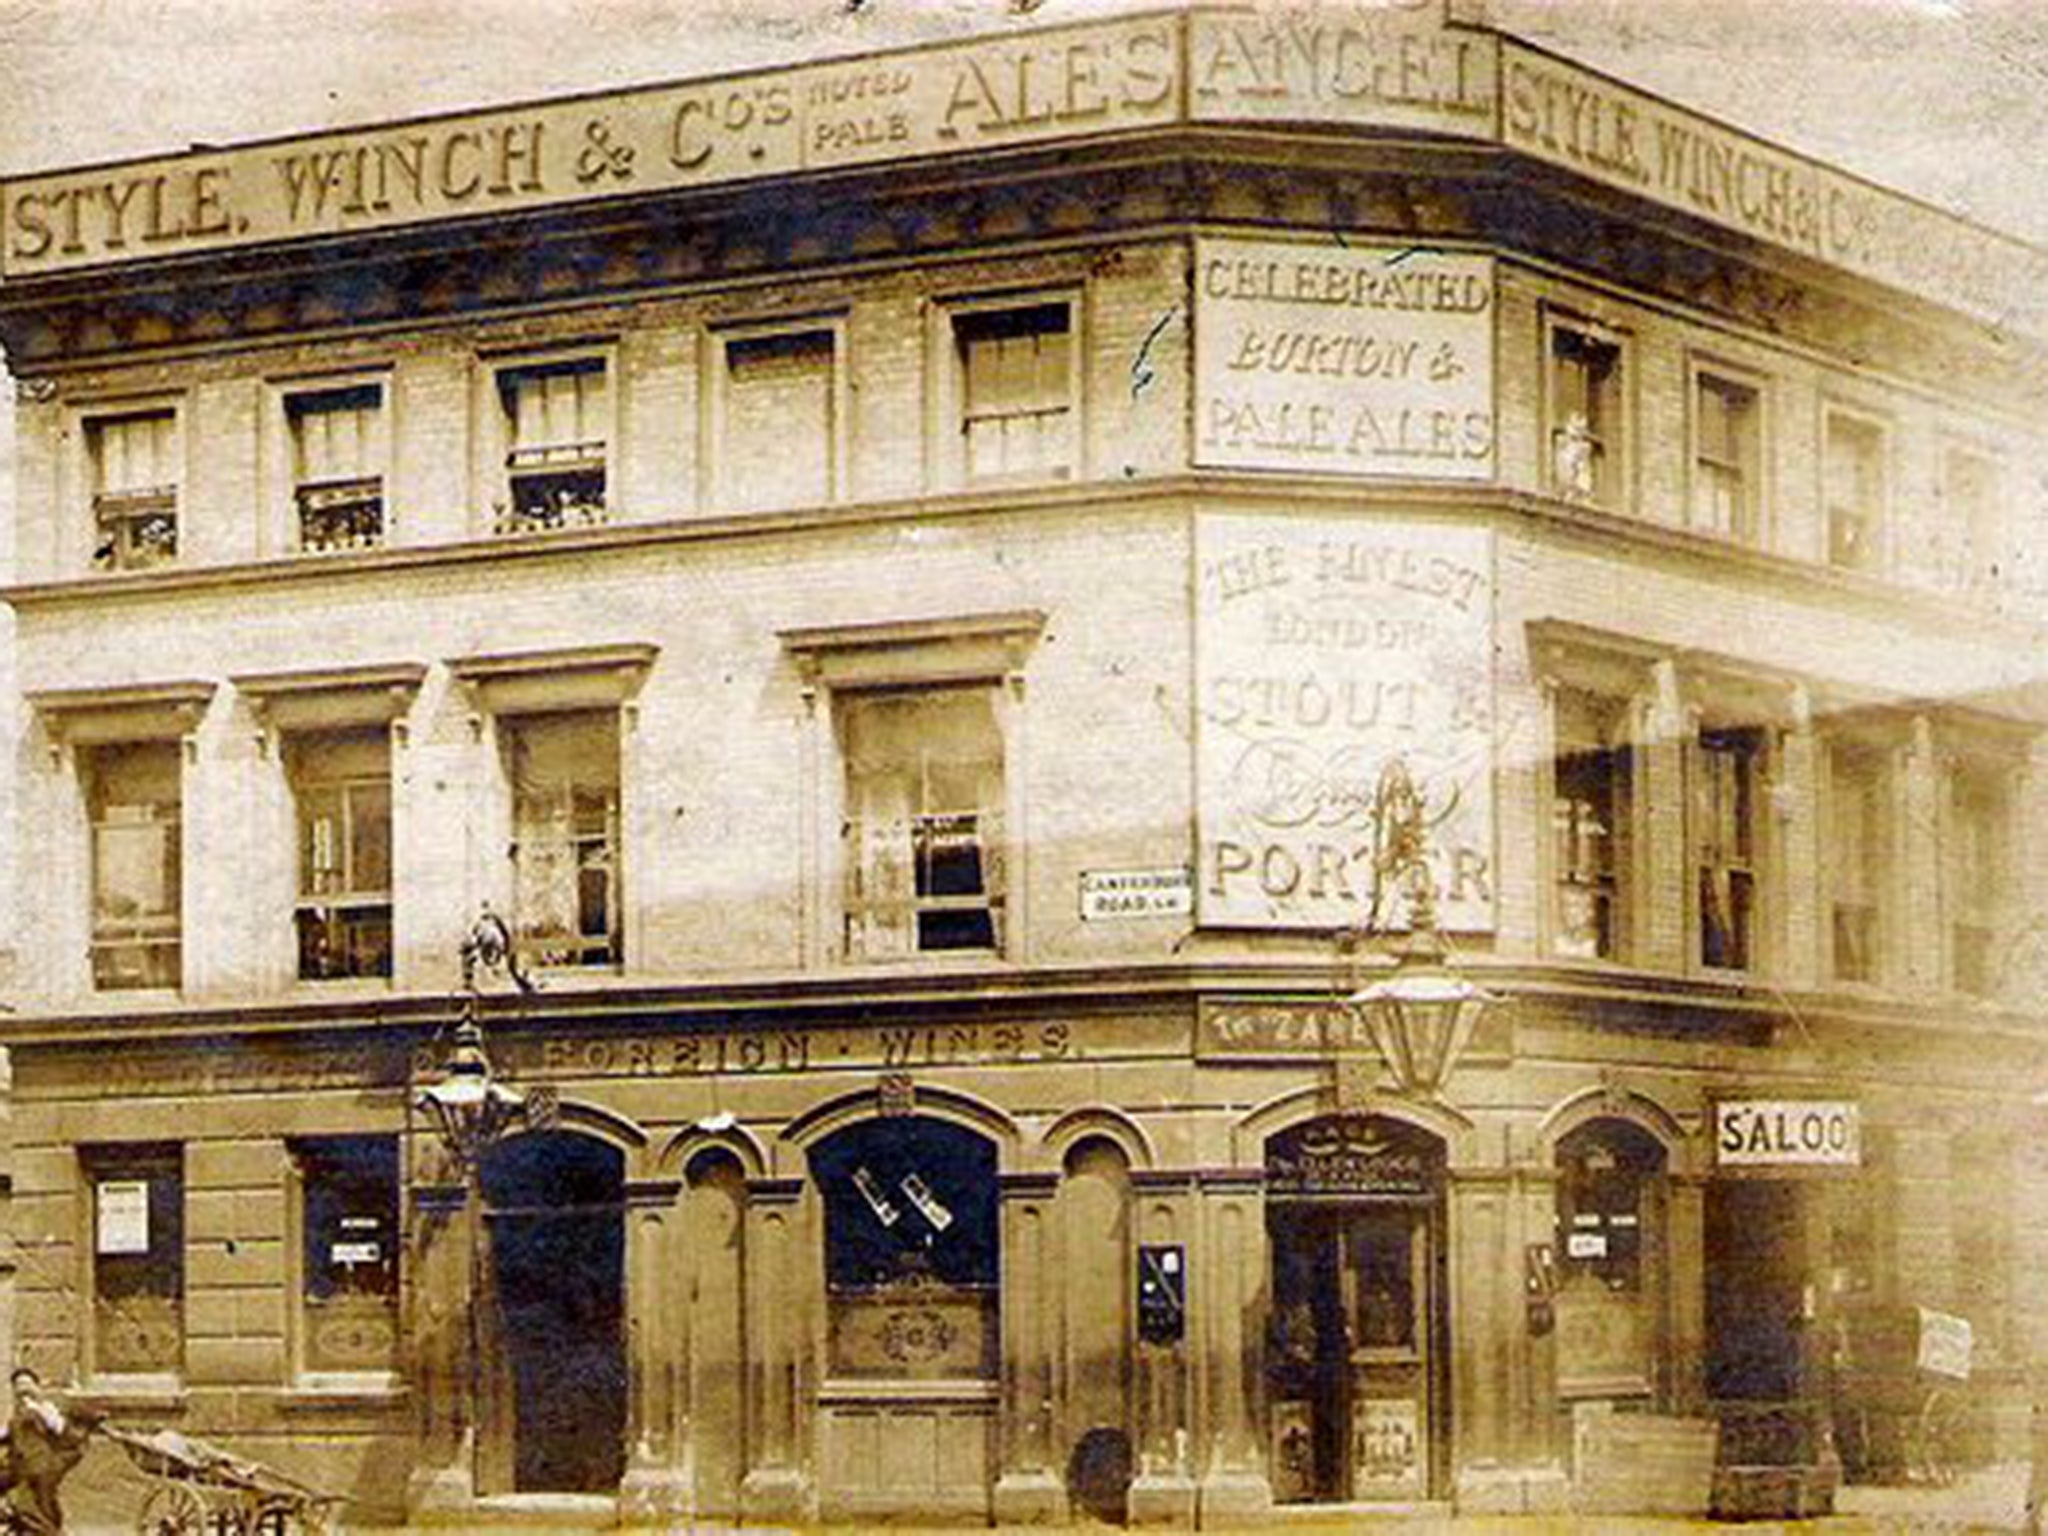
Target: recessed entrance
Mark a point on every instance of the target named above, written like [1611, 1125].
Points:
[1355, 1378]
[554, 1348]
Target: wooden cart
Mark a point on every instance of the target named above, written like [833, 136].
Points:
[198, 1489]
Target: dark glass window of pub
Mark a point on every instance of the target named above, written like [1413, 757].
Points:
[138, 1261]
[349, 1188]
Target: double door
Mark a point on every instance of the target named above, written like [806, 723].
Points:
[1354, 1357]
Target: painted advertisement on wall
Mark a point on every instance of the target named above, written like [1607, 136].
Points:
[1337, 358]
[1328, 649]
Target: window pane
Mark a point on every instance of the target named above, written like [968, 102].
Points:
[564, 775]
[350, 1259]
[778, 420]
[138, 1259]
[1016, 389]
[1589, 823]
[910, 1243]
[924, 817]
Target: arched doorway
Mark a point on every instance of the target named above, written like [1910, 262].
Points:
[1356, 1377]
[1612, 1265]
[555, 1357]
[907, 1409]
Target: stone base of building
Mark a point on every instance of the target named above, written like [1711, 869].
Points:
[1498, 1490]
[441, 1495]
[1162, 1500]
[776, 1496]
[1030, 1498]
[661, 1497]
[1235, 1498]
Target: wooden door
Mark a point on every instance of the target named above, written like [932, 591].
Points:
[1389, 1295]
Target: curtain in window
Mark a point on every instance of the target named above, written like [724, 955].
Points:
[564, 774]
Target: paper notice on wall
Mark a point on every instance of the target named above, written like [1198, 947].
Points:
[1945, 1344]
[123, 1216]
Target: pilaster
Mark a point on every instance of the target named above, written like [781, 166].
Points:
[1163, 1491]
[655, 1489]
[1029, 1487]
[442, 1245]
[1226, 1273]
[778, 1486]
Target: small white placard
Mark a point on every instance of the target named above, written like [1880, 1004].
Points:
[123, 1216]
[354, 1253]
[1586, 1245]
[1109, 894]
[1945, 1343]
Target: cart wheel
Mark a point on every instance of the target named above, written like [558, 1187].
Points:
[171, 1509]
[1941, 1437]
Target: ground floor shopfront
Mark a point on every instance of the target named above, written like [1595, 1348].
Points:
[1184, 1262]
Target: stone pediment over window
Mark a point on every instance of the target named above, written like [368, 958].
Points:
[136, 712]
[576, 677]
[330, 699]
[969, 647]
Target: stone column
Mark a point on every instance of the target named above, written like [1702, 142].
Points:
[1537, 1433]
[443, 1482]
[1228, 1303]
[1029, 1487]
[778, 1487]
[1163, 1375]
[1917, 919]
[1663, 927]
[1492, 1398]
[655, 1489]
[1686, 1276]
[1796, 831]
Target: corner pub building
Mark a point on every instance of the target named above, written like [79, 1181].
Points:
[902, 579]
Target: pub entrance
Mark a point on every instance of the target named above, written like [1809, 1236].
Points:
[1355, 1356]
[554, 1398]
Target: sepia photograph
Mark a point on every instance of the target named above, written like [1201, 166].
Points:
[809, 765]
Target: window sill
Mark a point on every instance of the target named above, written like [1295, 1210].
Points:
[131, 1394]
[846, 1391]
[344, 1393]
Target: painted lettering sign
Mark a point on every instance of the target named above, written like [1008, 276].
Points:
[1344, 359]
[1110, 894]
[990, 93]
[1327, 649]
[1391, 65]
[1624, 138]
[1787, 1133]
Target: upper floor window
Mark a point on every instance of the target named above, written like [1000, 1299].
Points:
[337, 458]
[348, 1219]
[137, 1259]
[1591, 811]
[563, 769]
[924, 820]
[1853, 475]
[1855, 856]
[135, 459]
[1727, 839]
[1586, 413]
[557, 431]
[341, 782]
[1980, 868]
[132, 793]
[1726, 456]
[1970, 512]
[778, 418]
[1017, 386]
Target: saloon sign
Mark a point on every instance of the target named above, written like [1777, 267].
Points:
[1787, 1133]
